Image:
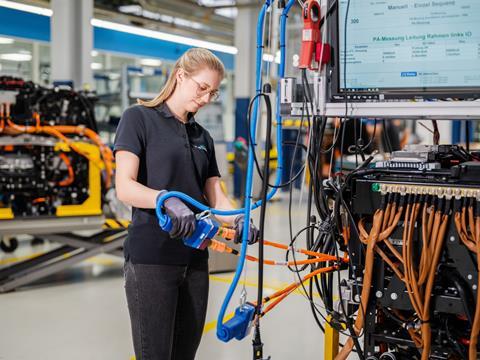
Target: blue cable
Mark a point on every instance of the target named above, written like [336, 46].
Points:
[164, 220]
[222, 332]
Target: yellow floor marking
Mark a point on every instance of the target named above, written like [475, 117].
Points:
[102, 261]
[11, 260]
[112, 223]
[229, 279]
[124, 223]
[95, 260]
[213, 324]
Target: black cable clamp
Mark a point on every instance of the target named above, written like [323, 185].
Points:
[325, 227]
[258, 346]
[336, 321]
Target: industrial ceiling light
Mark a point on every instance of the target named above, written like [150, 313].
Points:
[139, 11]
[27, 8]
[277, 57]
[164, 36]
[268, 57]
[96, 66]
[225, 8]
[150, 62]
[130, 29]
[16, 57]
[6, 41]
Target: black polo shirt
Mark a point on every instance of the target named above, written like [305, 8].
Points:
[173, 156]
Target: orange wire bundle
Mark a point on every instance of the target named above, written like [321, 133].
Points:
[419, 284]
[59, 131]
[280, 295]
[470, 236]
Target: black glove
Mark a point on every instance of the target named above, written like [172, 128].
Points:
[183, 219]
[252, 233]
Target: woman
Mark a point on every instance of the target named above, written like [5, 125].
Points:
[158, 148]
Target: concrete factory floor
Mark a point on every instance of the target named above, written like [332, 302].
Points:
[81, 313]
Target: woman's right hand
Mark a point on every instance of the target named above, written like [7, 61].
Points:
[183, 219]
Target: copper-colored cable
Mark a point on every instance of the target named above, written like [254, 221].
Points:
[393, 221]
[388, 231]
[289, 263]
[412, 332]
[431, 217]
[302, 251]
[433, 234]
[426, 329]
[461, 233]
[274, 303]
[464, 222]
[282, 294]
[421, 299]
[424, 252]
[410, 277]
[392, 214]
[222, 247]
[71, 176]
[106, 152]
[363, 231]
[367, 282]
[385, 234]
[386, 216]
[435, 230]
[393, 250]
[471, 239]
[2, 116]
[346, 239]
[471, 222]
[50, 130]
[385, 258]
[410, 269]
[295, 285]
[59, 131]
[472, 348]
[407, 273]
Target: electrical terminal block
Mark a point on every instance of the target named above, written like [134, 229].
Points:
[446, 192]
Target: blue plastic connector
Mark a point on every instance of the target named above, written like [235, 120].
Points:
[239, 326]
[204, 230]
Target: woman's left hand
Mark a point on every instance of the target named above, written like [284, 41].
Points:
[239, 225]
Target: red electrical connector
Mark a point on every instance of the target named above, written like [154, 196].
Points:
[313, 52]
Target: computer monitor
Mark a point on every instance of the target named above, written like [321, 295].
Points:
[426, 49]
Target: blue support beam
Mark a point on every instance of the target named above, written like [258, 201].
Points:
[36, 27]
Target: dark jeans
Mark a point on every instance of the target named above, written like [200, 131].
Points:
[167, 305]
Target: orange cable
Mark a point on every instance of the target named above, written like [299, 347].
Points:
[71, 176]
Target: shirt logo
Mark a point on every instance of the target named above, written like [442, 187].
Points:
[200, 147]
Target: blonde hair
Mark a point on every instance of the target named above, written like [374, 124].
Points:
[192, 61]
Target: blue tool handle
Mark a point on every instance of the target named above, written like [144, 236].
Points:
[165, 223]
[163, 219]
